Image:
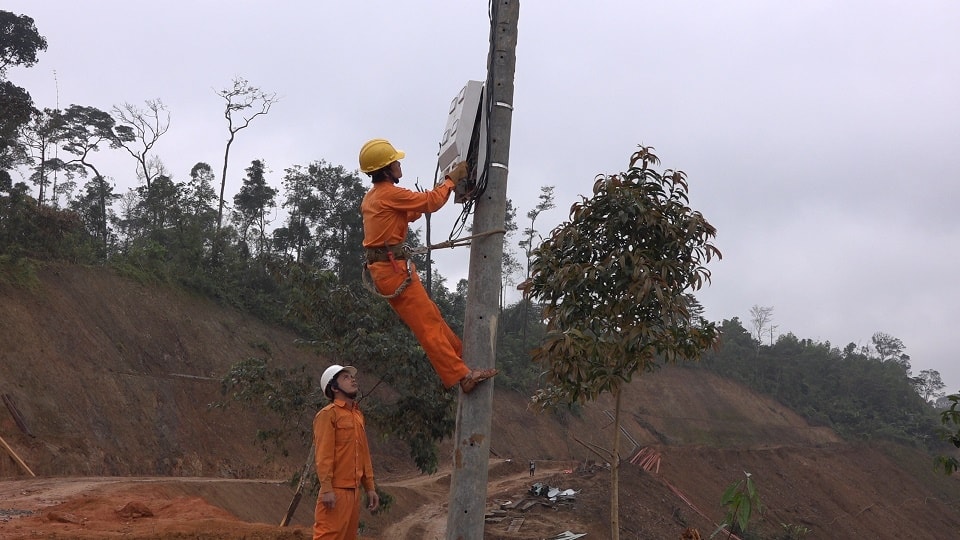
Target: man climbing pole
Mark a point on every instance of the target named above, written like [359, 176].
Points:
[387, 209]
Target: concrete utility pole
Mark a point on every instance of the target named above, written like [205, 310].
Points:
[471, 455]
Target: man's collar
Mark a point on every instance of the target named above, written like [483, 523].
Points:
[340, 402]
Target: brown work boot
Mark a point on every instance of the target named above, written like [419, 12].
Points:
[475, 377]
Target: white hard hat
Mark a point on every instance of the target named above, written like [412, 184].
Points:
[331, 373]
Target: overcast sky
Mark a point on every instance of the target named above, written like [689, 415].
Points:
[819, 137]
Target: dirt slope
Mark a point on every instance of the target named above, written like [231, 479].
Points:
[111, 380]
[114, 378]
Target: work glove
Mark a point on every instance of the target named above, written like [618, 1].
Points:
[459, 173]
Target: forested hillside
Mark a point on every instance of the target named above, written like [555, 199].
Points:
[173, 331]
[856, 391]
[304, 273]
[116, 377]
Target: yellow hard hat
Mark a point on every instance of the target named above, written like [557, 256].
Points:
[377, 154]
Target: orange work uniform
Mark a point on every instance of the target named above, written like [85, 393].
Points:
[387, 209]
[343, 466]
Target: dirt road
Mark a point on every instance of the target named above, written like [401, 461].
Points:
[211, 508]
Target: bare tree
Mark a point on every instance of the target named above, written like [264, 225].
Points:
[530, 236]
[510, 264]
[929, 385]
[527, 243]
[243, 103]
[138, 131]
[762, 319]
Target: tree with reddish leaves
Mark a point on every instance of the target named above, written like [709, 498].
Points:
[615, 283]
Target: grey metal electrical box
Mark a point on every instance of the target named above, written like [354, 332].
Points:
[465, 135]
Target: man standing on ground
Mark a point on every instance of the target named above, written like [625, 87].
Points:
[342, 458]
[387, 209]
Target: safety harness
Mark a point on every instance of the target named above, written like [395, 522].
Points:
[399, 252]
[403, 252]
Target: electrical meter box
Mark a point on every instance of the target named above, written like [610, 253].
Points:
[465, 136]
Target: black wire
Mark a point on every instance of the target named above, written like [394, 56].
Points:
[481, 184]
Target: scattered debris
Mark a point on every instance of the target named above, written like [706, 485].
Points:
[526, 504]
[567, 535]
[552, 493]
[647, 458]
[134, 510]
[6, 514]
[495, 515]
[515, 524]
[588, 467]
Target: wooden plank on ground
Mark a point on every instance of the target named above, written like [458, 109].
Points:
[15, 456]
[527, 504]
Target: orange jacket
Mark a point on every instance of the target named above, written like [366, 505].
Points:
[342, 455]
[388, 208]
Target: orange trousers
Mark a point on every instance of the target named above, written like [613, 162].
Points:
[442, 345]
[340, 522]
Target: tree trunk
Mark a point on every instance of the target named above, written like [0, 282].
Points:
[223, 186]
[615, 471]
